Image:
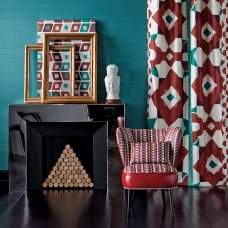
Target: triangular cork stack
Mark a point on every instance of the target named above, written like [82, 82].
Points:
[68, 172]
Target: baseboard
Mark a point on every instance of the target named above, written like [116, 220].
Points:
[4, 179]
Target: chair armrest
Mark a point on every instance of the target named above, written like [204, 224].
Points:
[124, 138]
[174, 135]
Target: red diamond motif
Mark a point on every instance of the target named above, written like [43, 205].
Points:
[209, 101]
[170, 115]
[176, 29]
[205, 153]
[201, 19]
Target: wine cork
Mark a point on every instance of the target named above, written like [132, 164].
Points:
[61, 185]
[85, 184]
[65, 151]
[66, 176]
[73, 163]
[80, 185]
[91, 184]
[58, 180]
[79, 180]
[50, 176]
[50, 185]
[88, 180]
[67, 147]
[71, 185]
[60, 159]
[71, 151]
[80, 176]
[65, 159]
[63, 163]
[68, 155]
[62, 156]
[75, 176]
[45, 185]
[65, 185]
[71, 176]
[71, 167]
[73, 171]
[68, 180]
[75, 185]
[65, 168]
[52, 172]
[57, 164]
[73, 155]
[56, 185]
[71, 159]
[81, 167]
[83, 171]
[86, 175]
[60, 167]
[57, 172]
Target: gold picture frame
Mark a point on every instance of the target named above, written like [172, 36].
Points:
[50, 38]
[38, 47]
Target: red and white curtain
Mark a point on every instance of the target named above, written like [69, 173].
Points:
[187, 83]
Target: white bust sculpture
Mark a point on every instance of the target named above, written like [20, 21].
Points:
[112, 84]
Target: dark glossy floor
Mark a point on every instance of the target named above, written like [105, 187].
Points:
[204, 207]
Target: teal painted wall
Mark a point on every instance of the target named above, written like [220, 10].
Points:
[121, 28]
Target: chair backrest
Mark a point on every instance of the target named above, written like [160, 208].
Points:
[125, 136]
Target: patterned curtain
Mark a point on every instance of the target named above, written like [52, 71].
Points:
[187, 83]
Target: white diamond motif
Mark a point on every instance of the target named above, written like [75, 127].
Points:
[169, 13]
[172, 102]
[213, 159]
[211, 126]
[208, 79]
[169, 56]
[210, 29]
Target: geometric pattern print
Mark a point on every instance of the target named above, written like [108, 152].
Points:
[168, 72]
[82, 54]
[206, 86]
[188, 97]
[64, 26]
[125, 137]
[224, 95]
[59, 73]
[150, 152]
[149, 168]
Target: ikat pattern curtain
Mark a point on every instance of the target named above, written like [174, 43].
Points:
[187, 83]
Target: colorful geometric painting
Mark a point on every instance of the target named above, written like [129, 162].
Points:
[82, 72]
[185, 83]
[59, 72]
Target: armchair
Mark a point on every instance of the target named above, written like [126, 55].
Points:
[148, 157]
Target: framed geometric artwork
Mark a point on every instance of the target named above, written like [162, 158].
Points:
[84, 79]
[61, 68]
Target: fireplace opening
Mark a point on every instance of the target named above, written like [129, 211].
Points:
[46, 143]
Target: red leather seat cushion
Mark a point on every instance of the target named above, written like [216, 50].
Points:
[143, 176]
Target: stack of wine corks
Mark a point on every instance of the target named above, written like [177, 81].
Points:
[68, 172]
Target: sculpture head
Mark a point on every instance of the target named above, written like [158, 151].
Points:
[112, 70]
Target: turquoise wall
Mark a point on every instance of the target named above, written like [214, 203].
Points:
[121, 28]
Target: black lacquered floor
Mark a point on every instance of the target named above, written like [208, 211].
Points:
[204, 207]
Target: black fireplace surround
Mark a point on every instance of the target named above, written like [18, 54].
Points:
[38, 135]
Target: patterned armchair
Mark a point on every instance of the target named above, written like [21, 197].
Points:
[148, 156]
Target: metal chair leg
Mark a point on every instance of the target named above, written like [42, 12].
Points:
[171, 202]
[130, 199]
[163, 197]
